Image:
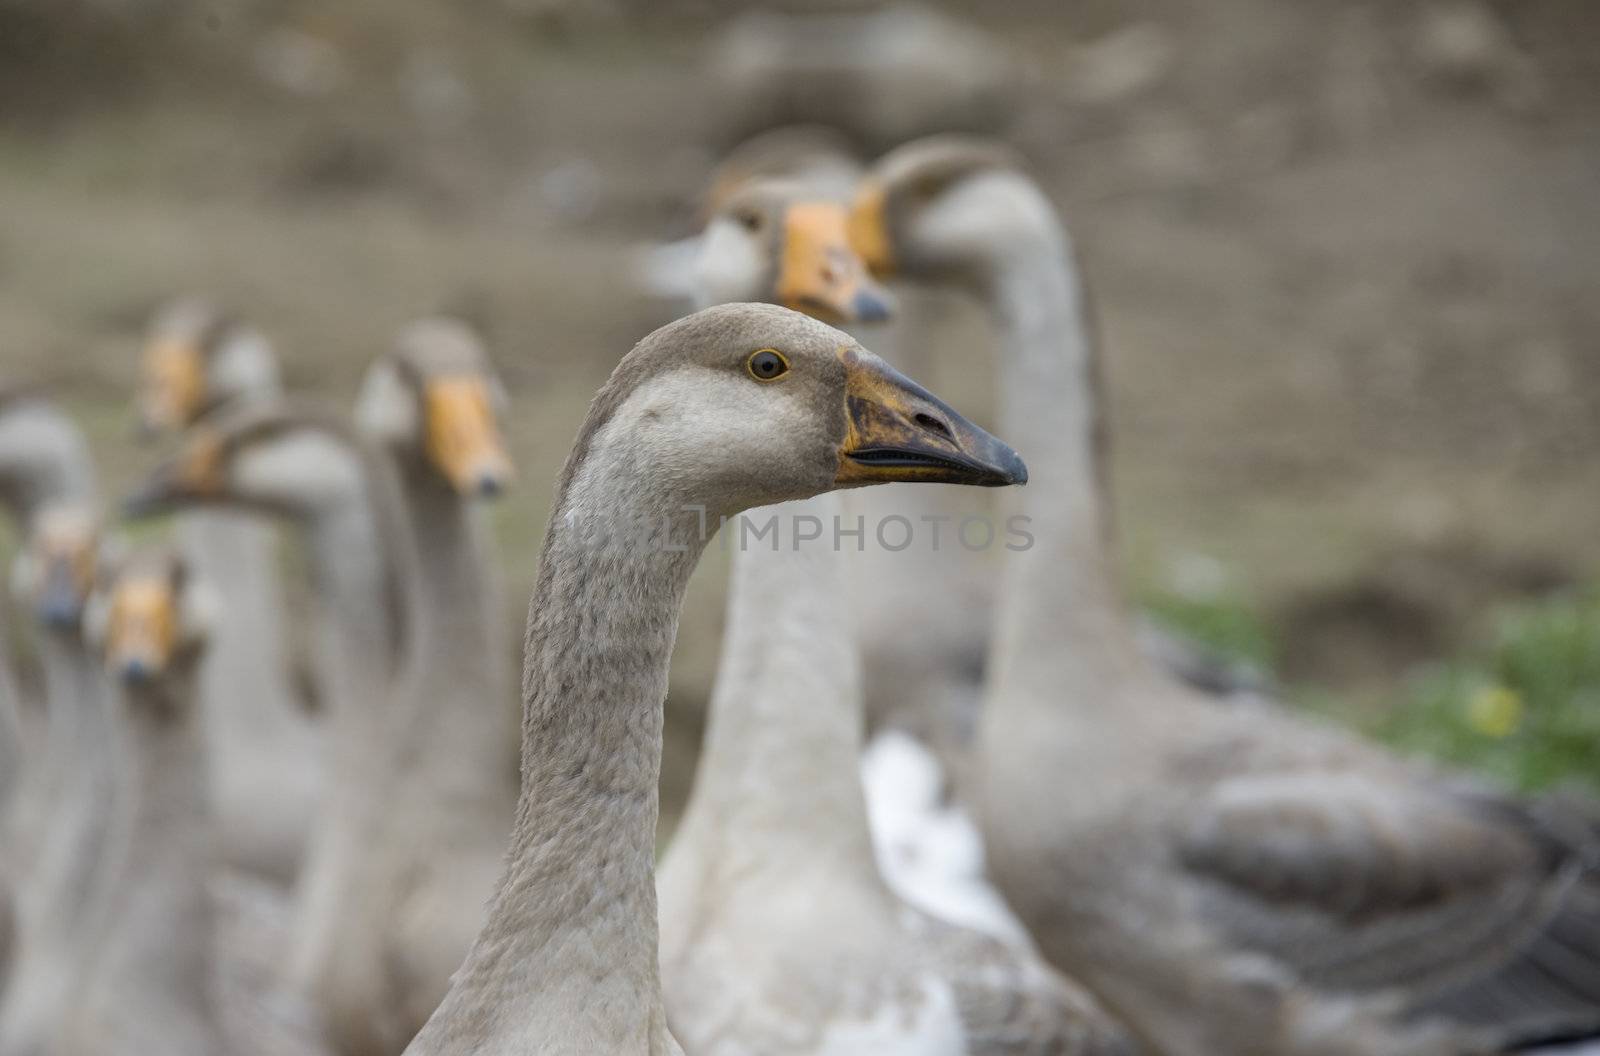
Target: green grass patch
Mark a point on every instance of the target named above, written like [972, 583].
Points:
[1223, 625]
[1525, 709]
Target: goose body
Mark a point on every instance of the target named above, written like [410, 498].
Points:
[730, 408]
[433, 402]
[64, 811]
[163, 973]
[778, 934]
[315, 472]
[265, 753]
[1229, 880]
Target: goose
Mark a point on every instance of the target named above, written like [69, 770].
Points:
[762, 221]
[63, 815]
[44, 460]
[160, 975]
[778, 933]
[730, 408]
[785, 242]
[143, 985]
[433, 403]
[265, 752]
[311, 468]
[1228, 880]
[816, 157]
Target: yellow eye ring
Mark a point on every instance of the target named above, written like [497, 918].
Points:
[766, 364]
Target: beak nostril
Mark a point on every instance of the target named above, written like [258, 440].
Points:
[928, 421]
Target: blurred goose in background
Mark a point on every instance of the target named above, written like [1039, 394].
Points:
[733, 407]
[717, 264]
[1230, 880]
[44, 460]
[782, 242]
[63, 811]
[748, 838]
[368, 909]
[434, 403]
[153, 979]
[778, 934]
[266, 755]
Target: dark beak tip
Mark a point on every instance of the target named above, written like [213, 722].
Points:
[870, 307]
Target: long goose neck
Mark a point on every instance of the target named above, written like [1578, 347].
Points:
[575, 913]
[461, 728]
[76, 723]
[82, 761]
[11, 734]
[244, 670]
[779, 774]
[1062, 591]
[160, 913]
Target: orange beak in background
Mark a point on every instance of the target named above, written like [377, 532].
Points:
[142, 629]
[819, 274]
[869, 230]
[172, 385]
[462, 438]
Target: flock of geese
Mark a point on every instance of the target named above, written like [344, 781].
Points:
[196, 863]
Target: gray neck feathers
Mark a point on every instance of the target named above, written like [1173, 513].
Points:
[464, 718]
[81, 761]
[158, 914]
[243, 678]
[568, 956]
[1061, 593]
[779, 775]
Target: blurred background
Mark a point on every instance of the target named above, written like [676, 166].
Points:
[1344, 253]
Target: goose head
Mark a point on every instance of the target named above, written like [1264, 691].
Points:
[950, 208]
[744, 405]
[43, 456]
[435, 401]
[197, 358]
[149, 619]
[281, 461]
[777, 241]
[55, 571]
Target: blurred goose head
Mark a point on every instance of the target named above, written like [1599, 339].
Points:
[436, 402]
[55, 572]
[198, 358]
[290, 463]
[150, 619]
[44, 458]
[950, 208]
[780, 242]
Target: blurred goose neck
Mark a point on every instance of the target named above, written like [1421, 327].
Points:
[1063, 589]
[779, 773]
[461, 728]
[157, 912]
[242, 678]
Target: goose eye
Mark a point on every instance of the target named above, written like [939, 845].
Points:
[767, 364]
[750, 221]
